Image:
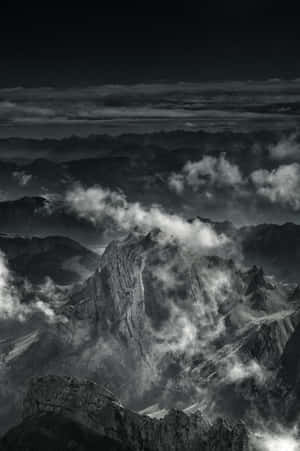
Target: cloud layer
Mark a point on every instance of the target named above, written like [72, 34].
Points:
[164, 106]
[97, 204]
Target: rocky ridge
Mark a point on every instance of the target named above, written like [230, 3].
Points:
[96, 408]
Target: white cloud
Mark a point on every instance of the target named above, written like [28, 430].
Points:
[195, 321]
[287, 147]
[22, 178]
[11, 306]
[96, 204]
[176, 183]
[238, 371]
[281, 440]
[281, 185]
[212, 171]
[179, 335]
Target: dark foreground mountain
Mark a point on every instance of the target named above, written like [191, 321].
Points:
[79, 415]
[54, 432]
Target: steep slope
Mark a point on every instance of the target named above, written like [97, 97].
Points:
[288, 379]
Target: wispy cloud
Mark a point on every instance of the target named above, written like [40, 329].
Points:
[11, 302]
[97, 203]
[22, 178]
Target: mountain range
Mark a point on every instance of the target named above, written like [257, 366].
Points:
[202, 350]
[165, 330]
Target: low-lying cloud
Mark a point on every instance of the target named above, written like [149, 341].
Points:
[281, 185]
[22, 178]
[238, 371]
[280, 440]
[209, 171]
[97, 204]
[286, 148]
[12, 306]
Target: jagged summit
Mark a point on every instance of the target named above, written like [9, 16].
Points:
[257, 279]
[258, 289]
[65, 395]
[96, 409]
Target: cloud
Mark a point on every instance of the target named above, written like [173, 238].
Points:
[281, 440]
[238, 371]
[181, 336]
[194, 294]
[11, 305]
[281, 185]
[287, 147]
[209, 171]
[22, 178]
[176, 183]
[159, 106]
[9, 109]
[97, 204]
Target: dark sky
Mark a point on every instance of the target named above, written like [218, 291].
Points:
[217, 40]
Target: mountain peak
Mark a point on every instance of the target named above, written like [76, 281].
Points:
[256, 280]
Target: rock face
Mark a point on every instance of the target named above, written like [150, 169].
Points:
[97, 409]
[288, 379]
[67, 396]
[116, 290]
[174, 320]
[111, 303]
[267, 341]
